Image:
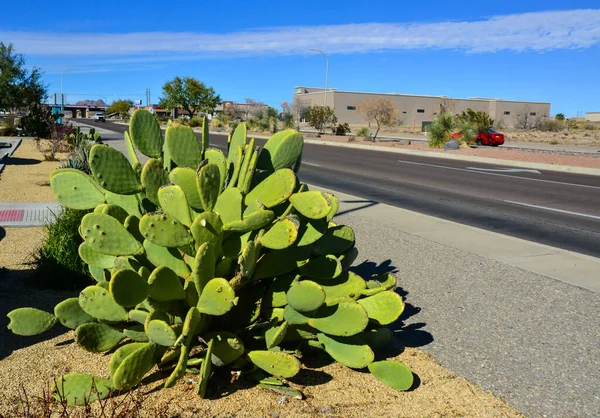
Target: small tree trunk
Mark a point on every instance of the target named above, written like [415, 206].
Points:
[376, 132]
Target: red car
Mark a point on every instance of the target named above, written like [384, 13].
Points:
[486, 137]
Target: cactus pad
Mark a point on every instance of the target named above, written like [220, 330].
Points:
[336, 241]
[161, 333]
[313, 204]
[277, 364]
[275, 335]
[112, 171]
[129, 203]
[164, 230]
[274, 190]
[346, 285]
[173, 201]
[227, 347]
[281, 235]
[305, 296]
[128, 288]
[208, 181]
[115, 211]
[97, 338]
[30, 321]
[184, 148]
[217, 297]
[106, 235]
[75, 189]
[323, 267]
[121, 354]
[229, 205]
[69, 313]
[217, 157]
[350, 351]
[131, 370]
[145, 133]
[164, 285]
[393, 373]
[282, 150]
[97, 302]
[205, 370]
[94, 258]
[384, 307]
[168, 257]
[185, 178]
[81, 389]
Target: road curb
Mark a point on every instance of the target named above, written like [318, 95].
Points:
[483, 160]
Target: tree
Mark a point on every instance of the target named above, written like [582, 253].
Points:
[381, 111]
[121, 107]
[253, 108]
[189, 94]
[19, 87]
[481, 120]
[560, 116]
[320, 117]
[527, 119]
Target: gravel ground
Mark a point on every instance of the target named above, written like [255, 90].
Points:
[488, 152]
[531, 340]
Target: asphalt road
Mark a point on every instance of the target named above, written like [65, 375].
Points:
[557, 209]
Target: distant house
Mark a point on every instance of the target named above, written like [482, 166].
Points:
[242, 110]
[592, 116]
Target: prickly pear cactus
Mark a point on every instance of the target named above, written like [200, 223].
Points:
[205, 260]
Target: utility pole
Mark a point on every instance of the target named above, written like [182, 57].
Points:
[147, 97]
[326, 70]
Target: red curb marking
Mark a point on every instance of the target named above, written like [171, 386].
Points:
[12, 215]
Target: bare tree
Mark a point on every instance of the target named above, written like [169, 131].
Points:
[447, 105]
[527, 119]
[381, 111]
[298, 109]
[253, 108]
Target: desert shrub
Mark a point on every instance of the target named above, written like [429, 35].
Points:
[57, 263]
[351, 138]
[320, 117]
[287, 120]
[254, 123]
[440, 130]
[590, 126]
[216, 123]
[233, 124]
[341, 129]
[8, 128]
[364, 132]
[481, 120]
[560, 116]
[550, 125]
[195, 122]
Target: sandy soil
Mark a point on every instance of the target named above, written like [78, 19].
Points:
[26, 177]
[488, 152]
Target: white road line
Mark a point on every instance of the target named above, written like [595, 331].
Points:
[499, 175]
[585, 215]
[316, 165]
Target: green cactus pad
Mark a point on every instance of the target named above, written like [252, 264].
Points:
[254, 221]
[205, 266]
[115, 211]
[247, 259]
[207, 227]
[164, 285]
[344, 319]
[131, 154]
[129, 203]
[277, 364]
[127, 263]
[350, 351]
[81, 389]
[132, 225]
[185, 178]
[112, 171]
[75, 189]
[97, 338]
[173, 201]
[99, 274]
[282, 150]
[94, 258]
[275, 335]
[273, 190]
[349, 257]
[161, 333]
[145, 133]
[168, 257]
[121, 354]
[180, 367]
[305, 296]
[216, 156]
[323, 267]
[208, 181]
[205, 134]
[383, 308]
[153, 178]
[128, 288]
[245, 187]
[346, 285]
[238, 139]
[310, 231]
[279, 262]
[227, 347]
[134, 367]
[377, 338]
[69, 313]
[294, 317]
[164, 230]
[96, 301]
[313, 204]
[335, 206]
[217, 297]
[248, 153]
[276, 293]
[229, 205]
[138, 316]
[30, 321]
[393, 373]
[205, 370]
[380, 284]
[281, 235]
[336, 241]
[183, 146]
[106, 235]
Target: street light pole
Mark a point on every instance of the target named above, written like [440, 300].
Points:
[62, 96]
[326, 70]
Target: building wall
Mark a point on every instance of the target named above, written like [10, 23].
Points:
[592, 116]
[413, 110]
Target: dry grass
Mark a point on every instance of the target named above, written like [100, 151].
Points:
[26, 177]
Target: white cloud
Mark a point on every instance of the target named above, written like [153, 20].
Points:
[537, 31]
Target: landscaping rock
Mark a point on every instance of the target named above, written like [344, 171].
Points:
[451, 145]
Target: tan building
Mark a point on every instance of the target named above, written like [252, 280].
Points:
[589, 116]
[414, 110]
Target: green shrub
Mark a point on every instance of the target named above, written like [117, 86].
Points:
[233, 124]
[364, 132]
[57, 263]
[341, 129]
[560, 116]
[195, 122]
[551, 125]
[440, 130]
[287, 120]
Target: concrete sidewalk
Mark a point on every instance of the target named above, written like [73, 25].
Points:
[518, 318]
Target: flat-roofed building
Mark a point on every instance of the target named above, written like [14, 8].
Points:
[416, 109]
[589, 116]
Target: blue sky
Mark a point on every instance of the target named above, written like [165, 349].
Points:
[515, 50]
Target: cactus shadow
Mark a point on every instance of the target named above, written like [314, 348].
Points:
[365, 205]
[370, 269]
[22, 161]
[15, 293]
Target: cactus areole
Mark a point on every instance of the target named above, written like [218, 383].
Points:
[204, 261]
